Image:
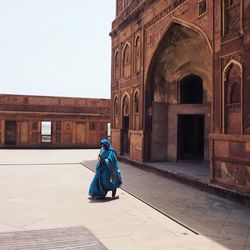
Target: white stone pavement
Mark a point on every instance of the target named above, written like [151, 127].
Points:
[46, 189]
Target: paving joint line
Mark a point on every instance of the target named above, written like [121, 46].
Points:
[38, 164]
[152, 206]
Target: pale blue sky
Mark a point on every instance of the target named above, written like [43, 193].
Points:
[56, 47]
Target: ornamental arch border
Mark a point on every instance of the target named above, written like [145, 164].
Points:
[223, 80]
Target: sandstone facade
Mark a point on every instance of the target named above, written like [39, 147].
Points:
[52, 122]
[181, 84]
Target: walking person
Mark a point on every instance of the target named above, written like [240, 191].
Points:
[107, 176]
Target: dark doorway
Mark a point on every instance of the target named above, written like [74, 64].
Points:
[10, 133]
[125, 137]
[191, 90]
[190, 137]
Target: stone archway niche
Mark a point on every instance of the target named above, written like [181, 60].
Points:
[180, 81]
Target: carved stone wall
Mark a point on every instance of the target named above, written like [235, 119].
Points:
[179, 38]
[75, 122]
[230, 143]
[138, 32]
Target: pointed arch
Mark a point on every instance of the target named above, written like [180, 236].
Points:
[230, 63]
[115, 105]
[125, 122]
[191, 89]
[116, 58]
[115, 111]
[125, 104]
[126, 60]
[137, 52]
[183, 23]
[169, 60]
[188, 67]
[136, 107]
[116, 65]
[232, 94]
[137, 42]
[126, 48]
[174, 21]
[136, 101]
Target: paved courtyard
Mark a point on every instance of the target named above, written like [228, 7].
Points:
[44, 202]
[225, 221]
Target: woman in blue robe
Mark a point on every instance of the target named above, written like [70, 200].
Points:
[107, 176]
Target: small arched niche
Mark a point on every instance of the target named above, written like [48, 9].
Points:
[191, 90]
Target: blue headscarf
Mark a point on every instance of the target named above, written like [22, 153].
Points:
[106, 142]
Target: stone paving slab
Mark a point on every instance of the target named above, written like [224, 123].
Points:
[72, 238]
[222, 220]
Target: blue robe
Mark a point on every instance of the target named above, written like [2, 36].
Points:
[107, 176]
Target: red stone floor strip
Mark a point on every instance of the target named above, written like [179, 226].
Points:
[61, 238]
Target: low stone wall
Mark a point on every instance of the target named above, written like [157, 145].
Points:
[230, 161]
[136, 145]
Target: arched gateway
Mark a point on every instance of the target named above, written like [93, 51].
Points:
[179, 96]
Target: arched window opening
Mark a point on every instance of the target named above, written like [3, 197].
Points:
[232, 116]
[116, 64]
[46, 131]
[115, 110]
[125, 108]
[126, 56]
[125, 124]
[137, 46]
[136, 111]
[235, 93]
[191, 90]
[116, 59]
[137, 54]
[116, 106]
[126, 61]
[136, 103]
[232, 86]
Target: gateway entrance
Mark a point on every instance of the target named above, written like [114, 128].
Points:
[190, 137]
[10, 133]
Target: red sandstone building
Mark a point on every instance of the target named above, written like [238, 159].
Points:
[181, 84]
[52, 122]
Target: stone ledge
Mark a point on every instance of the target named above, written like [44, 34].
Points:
[208, 187]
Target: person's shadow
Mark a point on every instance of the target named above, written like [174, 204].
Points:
[102, 200]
